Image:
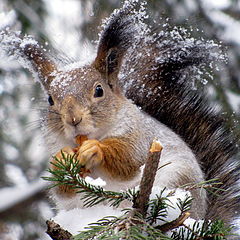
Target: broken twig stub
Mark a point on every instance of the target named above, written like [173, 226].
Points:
[56, 232]
[149, 173]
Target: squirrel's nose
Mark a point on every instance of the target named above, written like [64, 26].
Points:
[76, 121]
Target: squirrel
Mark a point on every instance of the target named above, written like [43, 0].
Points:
[136, 90]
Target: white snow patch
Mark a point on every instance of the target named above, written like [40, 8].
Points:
[174, 196]
[10, 151]
[12, 195]
[77, 219]
[95, 182]
[28, 41]
[230, 25]
[236, 224]
[13, 44]
[37, 149]
[7, 19]
[45, 211]
[189, 223]
[61, 26]
[234, 99]
[12, 231]
[16, 175]
[219, 4]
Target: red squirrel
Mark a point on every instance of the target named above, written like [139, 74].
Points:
[99, 102]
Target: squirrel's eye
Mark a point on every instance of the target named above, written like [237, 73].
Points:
[98, 91]
[50, 100]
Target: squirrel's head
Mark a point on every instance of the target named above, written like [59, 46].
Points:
[85, 100]
[82, 101]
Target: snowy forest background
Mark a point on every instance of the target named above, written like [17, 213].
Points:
[71, 27]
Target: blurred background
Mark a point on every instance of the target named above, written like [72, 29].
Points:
[71, 26]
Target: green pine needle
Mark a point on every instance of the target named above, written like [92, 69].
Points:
[67, 172]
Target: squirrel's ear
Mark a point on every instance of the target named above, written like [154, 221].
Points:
[30, 54]
[108, 64]
[116, 38]
[110, 67]
[40, 62]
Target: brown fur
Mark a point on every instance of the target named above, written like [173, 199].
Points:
[110, 155]
[118, 162]
[41, 63]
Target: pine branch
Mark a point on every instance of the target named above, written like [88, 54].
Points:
[206, 230]
[157, 208]
[185, 205]
[68, 172]
[208, 185]
[125, 227]
[137, 223]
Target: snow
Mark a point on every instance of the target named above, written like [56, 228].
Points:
[13, 231]
[7, 19]
[236, 224]
[10, 151]
[219, 4]
[65, 36]
[96, 182]
[234, 99]
[77, 219]
[174, 196]
[189, 222]
[20, 193]
[230, 26]
[13, 44]
[28, 41]
[139, 29]
[16, 175]
[45, 211]
[61, 81]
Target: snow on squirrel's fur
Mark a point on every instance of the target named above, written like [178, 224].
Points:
[13, 44]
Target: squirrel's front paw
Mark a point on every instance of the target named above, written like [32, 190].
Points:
[90, 154]
[64, 151]
[63, 190]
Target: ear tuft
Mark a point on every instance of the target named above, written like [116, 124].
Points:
[40, 62]
[30, 54]
[120, 32]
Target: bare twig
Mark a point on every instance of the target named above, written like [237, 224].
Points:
[175, 223]
[56, 232]
[149, 173]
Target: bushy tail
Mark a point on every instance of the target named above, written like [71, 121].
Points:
[157, 70]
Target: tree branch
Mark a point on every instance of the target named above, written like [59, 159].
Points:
[175, 223]
[56, 232]
[149, 173]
